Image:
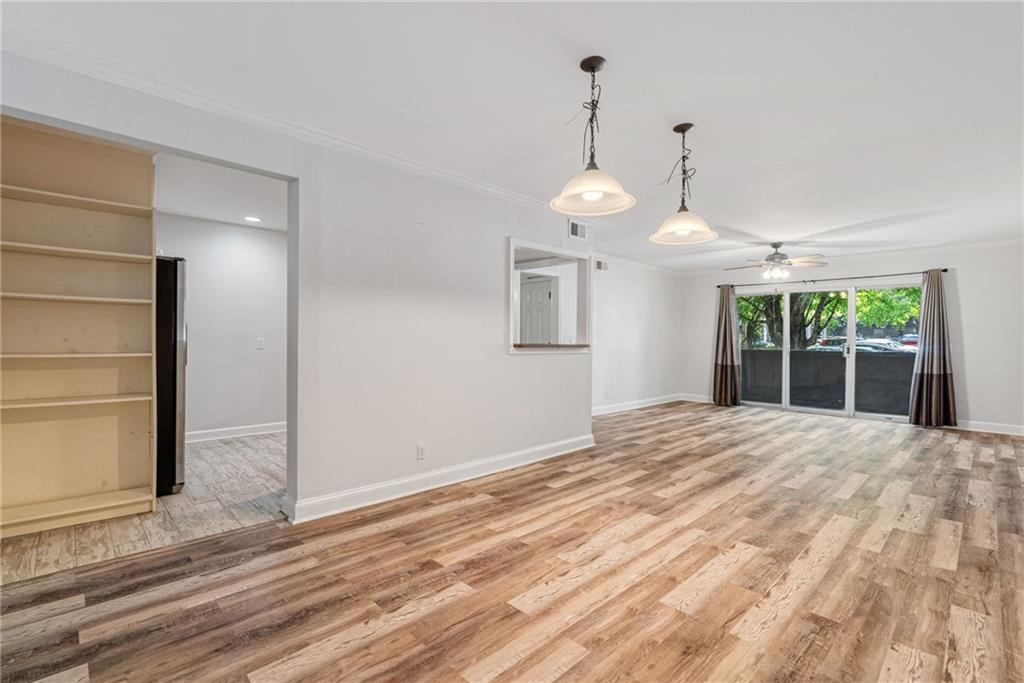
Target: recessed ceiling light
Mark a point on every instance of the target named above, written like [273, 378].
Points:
[254, 219]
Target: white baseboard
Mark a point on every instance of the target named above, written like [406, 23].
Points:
[333, 503]
[992, 427]
[228, 432]
[645, 402]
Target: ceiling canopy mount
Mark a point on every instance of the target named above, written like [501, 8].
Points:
[593, 64]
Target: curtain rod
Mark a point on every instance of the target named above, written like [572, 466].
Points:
[834, 279]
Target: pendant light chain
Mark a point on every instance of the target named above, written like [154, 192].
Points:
[592, 125]
[685, 175]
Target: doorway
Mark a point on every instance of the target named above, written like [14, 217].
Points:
[225, 230]
[843, 351]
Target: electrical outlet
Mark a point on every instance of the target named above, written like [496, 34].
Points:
[421, 452]
[260, 344]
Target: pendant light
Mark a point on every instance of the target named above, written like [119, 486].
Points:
[684, 226]
[593, 192]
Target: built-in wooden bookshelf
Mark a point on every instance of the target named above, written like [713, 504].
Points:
[76, 335]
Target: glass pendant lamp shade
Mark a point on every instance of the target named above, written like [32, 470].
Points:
[683, 227]
[592, 193]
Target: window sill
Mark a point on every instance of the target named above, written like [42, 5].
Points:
[549, 348]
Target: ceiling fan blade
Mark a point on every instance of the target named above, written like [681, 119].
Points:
[808, 264]
[745, 267]
[737, 235]
[809, 257]
[828, 244]
[869, 225]
[756, 260]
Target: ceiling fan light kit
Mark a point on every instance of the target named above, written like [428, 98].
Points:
[775, 273]
[683, 227]
[593, 192]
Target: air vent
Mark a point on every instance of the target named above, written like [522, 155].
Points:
[601, 265]
[577, 230]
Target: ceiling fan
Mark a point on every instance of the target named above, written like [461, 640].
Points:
[776, 265]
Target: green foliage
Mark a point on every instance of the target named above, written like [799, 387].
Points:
[884, 307]
[821, 314]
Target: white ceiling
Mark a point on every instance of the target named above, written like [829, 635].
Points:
[852, 128]
[203, 190]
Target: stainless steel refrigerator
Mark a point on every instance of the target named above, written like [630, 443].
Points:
[171, 359]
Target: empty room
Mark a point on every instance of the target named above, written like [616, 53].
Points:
[512, 342]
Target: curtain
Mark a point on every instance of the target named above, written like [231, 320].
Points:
[726, 391]
[932, 401]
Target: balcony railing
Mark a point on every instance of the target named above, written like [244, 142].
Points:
[818, 379]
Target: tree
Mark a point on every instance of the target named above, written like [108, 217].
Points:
[817, 314]
[760, 314]
[812, 313]
[888, 307]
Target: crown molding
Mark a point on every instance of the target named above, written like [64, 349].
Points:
[150, 85]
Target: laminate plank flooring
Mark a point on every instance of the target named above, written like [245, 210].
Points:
[692, 543]
[229, 484]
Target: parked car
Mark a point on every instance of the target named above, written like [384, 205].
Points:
[908, 340]
[887, 344]
[865, 346]
[831, 341]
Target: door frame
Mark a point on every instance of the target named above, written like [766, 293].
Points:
[850, 286]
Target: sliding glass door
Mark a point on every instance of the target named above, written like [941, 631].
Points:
[885, 350]
[845, 351]
[818, 349]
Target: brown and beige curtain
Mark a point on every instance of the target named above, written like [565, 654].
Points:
[932, 401]
[726, 391]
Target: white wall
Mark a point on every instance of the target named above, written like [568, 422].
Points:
[985, 300]
[236, 291]
[640, 345]
[391, 345]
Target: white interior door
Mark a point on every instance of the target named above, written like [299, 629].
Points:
[535, 316]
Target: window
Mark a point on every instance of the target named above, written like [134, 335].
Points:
[549, 298]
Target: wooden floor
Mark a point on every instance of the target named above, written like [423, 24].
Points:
[693, 543]
[230, 484]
